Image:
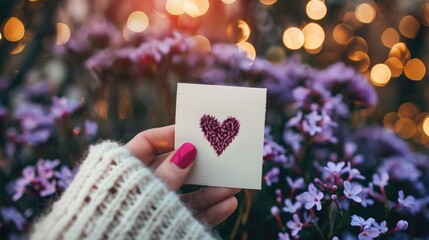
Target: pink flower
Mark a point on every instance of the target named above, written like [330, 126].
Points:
[312, 197]
[295, 226]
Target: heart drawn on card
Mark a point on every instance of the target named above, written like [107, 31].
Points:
[220, 135]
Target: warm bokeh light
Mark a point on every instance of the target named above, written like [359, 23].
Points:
[316, 9]
[365, 13]
[293, 38]
[390, 37]
[415, 69]
[409, 26]
[138, 21]
[228, 1]
[248, 49]
[355, 44]
[63, 33]
[314, 36]
[405, 128]
[360, 60]
[275, 54]
[18, 49]
[342, 33]
[175, 7]
[268, 2]
[350, 19]
[380, 75]
[196, 8]
[202, 44]
[0, 36]
[401, 52]
[395, 66]
[424, 14]
[408, 110]
[389, 120]
[13, 29]
[238, 31]
[426, 125]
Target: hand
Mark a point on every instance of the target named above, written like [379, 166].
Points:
[154, 148]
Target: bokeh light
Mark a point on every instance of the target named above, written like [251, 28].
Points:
[408, 110]
[355, 44]
[13, 29]
[228, 1]
[63, 33]
[248, 49]
[409, 26]
[342, 33]
[202, 44]
[389, 120]
[360, 60]
[395, 66]
[18, 49]
[238, 31]
[426, 125]
[415, 69]
[293, 38]
[380, 75]
[316, 9]
[268, 2]
[365, 13]
[390, 37]
[424, 14]
[175, 7]
[405, 128]
[401, 52]
[138, 21]
[314, 36]
[196, 8]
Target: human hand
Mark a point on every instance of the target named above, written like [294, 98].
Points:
[155, 148]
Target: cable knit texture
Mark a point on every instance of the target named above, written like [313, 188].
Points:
[114, 196]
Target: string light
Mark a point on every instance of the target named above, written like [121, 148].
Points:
[342, 33]
[380, 75]
[202, 44]
[228, 1]
[365, 13]
[314, 36]
[409, 26]
[238, 31]
[415, 69]
[63, 33]
[390, 37]
[268, 2]
[316, 9]
[248, 49]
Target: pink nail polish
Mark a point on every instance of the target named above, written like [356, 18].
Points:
[184, 155]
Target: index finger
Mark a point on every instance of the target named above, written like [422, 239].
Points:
[150, 143]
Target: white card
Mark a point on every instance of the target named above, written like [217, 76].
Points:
[226, 125]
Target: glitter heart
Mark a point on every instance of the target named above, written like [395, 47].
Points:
[219, 135]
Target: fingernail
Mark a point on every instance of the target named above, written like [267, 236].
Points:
[184, 155]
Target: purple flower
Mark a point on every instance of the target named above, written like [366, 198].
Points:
[297, 184]
[364, 197]
[400, 168]
[360, 222]
[368, 233]
[49, 187]
[283, 236]
[407, 202]
[382, 227]
[45, 168]
[353, 173]
[3, 111]
[333, 168]
[13, 215]
[402, 225]
[63, 107]
[272, 176]
[272, 150]
[311, 124]
[312, 197]
[290, 207]
[380, 179]
[351, 192]
[90, 127]
[295, 226]
[64, 176]
[293, 139]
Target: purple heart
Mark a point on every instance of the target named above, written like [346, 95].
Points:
[219, 135]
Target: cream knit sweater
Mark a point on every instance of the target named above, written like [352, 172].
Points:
[114, 196]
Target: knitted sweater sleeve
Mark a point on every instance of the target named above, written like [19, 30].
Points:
[114, 196]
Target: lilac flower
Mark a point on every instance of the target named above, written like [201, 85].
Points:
[400, 168]
[64, 176]
[311, 123]
[360, 222]
[382, 227]
[333, 168]
[297, 184]
[295, 226]
[63, 107]
[402, 225]
[380, 179]
[351, 192]
[283, 236]
[272, 150]
[312, 197]
[407, 202]
[13, 215]
[364, 197]
[293, 139]
[45, 168]
[272, 176]
[368, 233]
[290, 207]
[353, 173]
[49, 188]
[90, 127]
[295, 121]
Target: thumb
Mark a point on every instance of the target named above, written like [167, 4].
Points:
[177, 166]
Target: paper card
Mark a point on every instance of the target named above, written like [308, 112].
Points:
[226, 125]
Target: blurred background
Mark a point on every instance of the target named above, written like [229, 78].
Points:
[73, 71]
